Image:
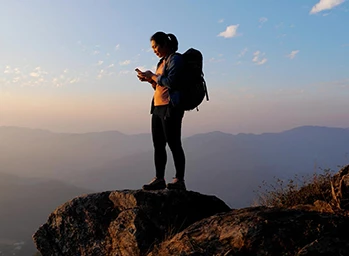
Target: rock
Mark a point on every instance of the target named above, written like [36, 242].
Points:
[324, 247]
[121, 222]
[261, 231]
[340, 188]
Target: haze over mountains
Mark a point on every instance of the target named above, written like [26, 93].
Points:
[230, 166]
[41, 169]
[25, 203]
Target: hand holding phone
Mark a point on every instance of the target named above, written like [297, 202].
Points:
[138, 71]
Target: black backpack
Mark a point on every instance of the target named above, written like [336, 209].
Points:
[194, 89]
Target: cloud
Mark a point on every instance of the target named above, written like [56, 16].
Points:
[95, 53]
[262, 21]
[214, 60]
[292, 54]
[256, 56]
[100, 62]
[124, 63]
[117, 47]
[111, 66]
[75, 80]
[325, 5]
[8, 70]
[16, 79]
[243, 52]
[101, 73]
[221, 21]
[259, 58]
[231, 31]
[33, 74]
[124, 72]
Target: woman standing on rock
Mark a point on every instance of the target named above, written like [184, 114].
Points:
[167, 115]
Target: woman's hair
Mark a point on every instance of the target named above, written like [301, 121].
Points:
[164, 39]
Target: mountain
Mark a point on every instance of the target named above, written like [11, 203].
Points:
[229, 166]
[41, 153]
[233, 166]
[25, 204]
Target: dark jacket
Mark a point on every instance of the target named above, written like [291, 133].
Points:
[172, 77]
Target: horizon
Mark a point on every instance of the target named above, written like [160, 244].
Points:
[269, 67]
[184, 136]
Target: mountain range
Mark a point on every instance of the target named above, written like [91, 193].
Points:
[40, 170]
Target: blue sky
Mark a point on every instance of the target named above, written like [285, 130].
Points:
[270, 65]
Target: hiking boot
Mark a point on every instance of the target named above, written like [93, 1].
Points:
[176, 184]
[155, 184]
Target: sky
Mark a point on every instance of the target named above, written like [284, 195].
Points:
[270, 65]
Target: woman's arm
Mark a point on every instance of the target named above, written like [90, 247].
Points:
[174, 75]
[174, 72]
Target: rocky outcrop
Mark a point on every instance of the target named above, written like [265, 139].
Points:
[262, 231]
[183, 223]
[121, 222]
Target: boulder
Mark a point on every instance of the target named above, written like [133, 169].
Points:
[128, 222]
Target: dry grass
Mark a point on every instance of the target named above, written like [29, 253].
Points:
[297, 191]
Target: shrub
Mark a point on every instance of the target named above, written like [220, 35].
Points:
[296, 191]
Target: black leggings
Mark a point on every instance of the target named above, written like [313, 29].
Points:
[166, 127]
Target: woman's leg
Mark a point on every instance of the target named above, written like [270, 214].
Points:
[159, 142]
[173, 130]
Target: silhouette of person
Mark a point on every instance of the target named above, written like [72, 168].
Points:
[167, 115]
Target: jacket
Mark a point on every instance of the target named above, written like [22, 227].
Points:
[172, 77]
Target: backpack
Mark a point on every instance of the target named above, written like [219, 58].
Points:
[194, 89]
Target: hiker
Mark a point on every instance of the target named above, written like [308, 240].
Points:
[167, 114]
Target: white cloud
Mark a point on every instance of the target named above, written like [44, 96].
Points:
[124, 63]
[231, 31]
[100, 62]
[33, 74]
[75, 80]
[111, 65]
[221, 21]
[8, 70]
[264, 60]
[259, 58]
[95, 53]
[262, 21]
[101, 73]
[117, 47]
[243, 52]
[292, 54]
[325, 5]
[256, 56]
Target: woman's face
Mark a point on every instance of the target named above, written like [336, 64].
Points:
[159, 51]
